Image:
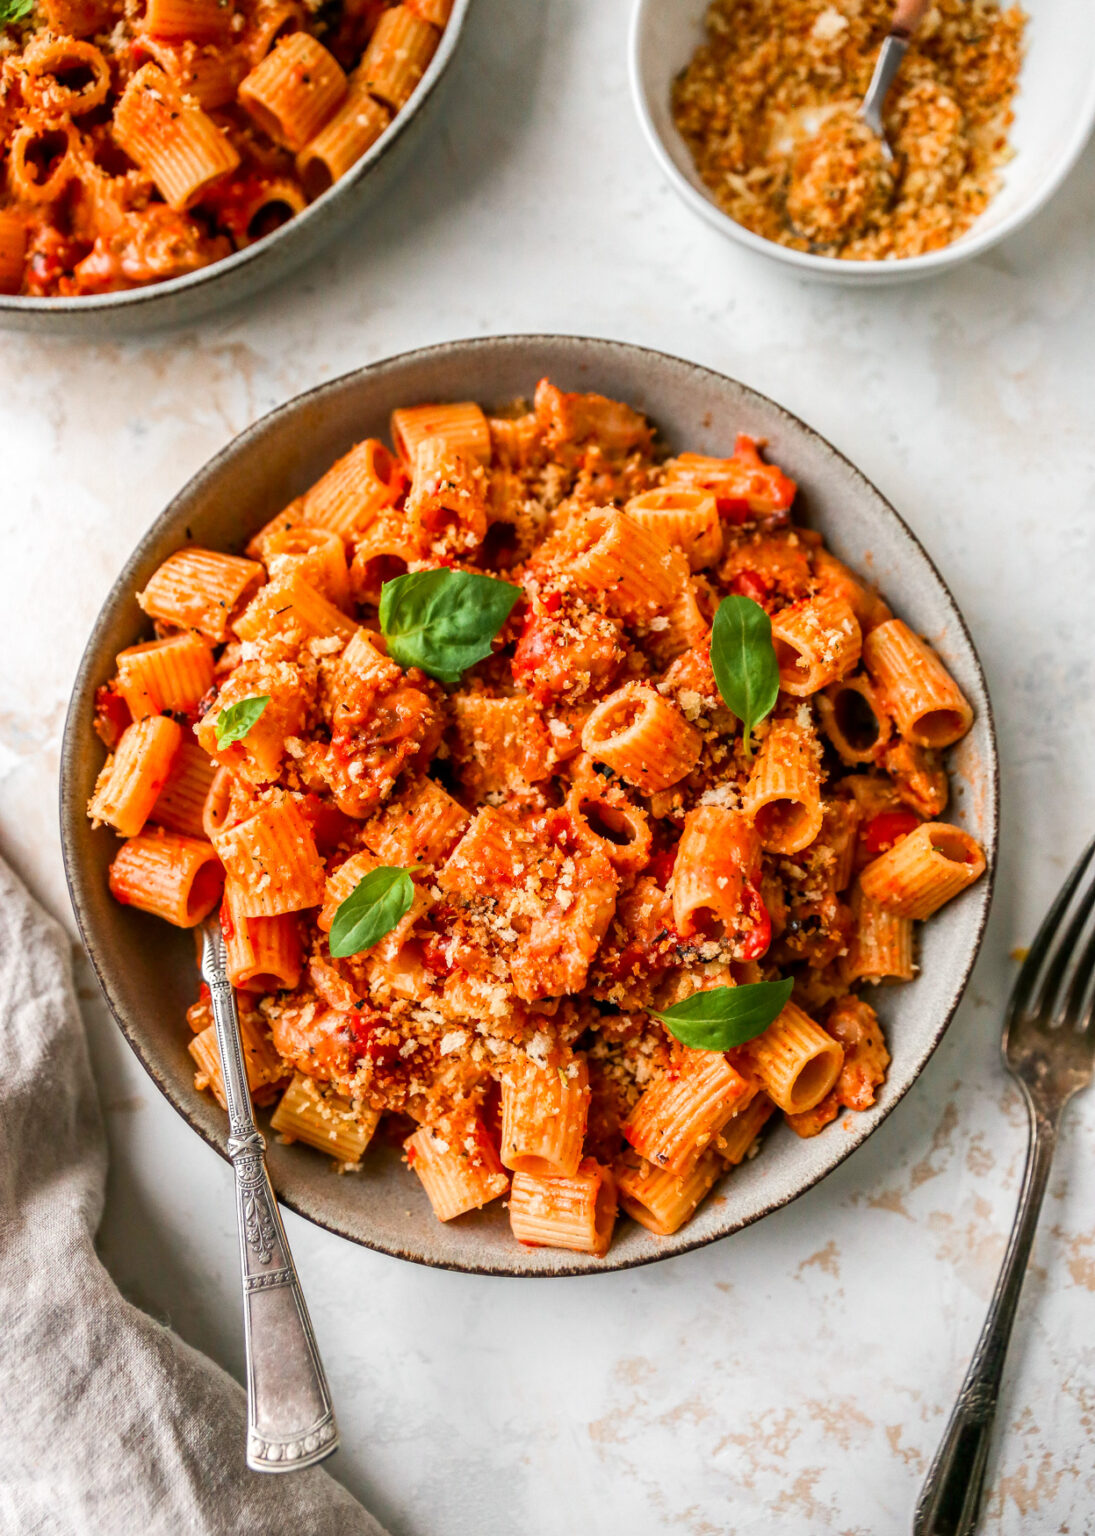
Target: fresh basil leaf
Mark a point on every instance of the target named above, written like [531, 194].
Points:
[234, 722]
[372, 909]
[743, 660]
[722, 1017]
[14, 10]
[444, 621]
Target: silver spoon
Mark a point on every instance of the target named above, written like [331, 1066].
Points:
[807, 121]
[907, 16]
[290, 1419]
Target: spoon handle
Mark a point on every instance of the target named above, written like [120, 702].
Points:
[290, 1418]
[886, 66]
[907, 16]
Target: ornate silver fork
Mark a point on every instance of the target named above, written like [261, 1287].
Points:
[1049, 1047]
[290, 1420]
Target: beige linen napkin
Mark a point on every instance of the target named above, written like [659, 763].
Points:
[109, 1424]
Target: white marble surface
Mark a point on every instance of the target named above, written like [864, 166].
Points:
[793, 1379]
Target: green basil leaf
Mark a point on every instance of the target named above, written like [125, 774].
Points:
[14, 10]
[233, 723]
[372, 909]
[444, 621]
[722, 1017]
[743, 660]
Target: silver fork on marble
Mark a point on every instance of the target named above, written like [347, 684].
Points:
[1049, 1048]
[290, 1419]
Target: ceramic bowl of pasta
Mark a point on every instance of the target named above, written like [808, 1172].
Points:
[593, 776]
[165, 159]
[990, 110]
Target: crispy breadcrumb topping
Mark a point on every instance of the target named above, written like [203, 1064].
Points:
[767, 108]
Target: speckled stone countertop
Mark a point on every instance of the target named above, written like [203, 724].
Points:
[794, 1379]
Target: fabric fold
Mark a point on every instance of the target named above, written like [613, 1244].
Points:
[109, 1423]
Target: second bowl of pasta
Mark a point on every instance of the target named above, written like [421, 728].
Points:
[167, 161]
[601, 848]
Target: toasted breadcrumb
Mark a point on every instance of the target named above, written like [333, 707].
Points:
[767, 108]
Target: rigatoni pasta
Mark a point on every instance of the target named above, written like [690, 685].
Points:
[783, 794]
[925, 701]
[174, 877]
[642, 737]
[143, 143]
[165, 676]
[132, 779]
[544, 1110]
[200, 589]
[572, 836]
[575, 1211]
[171, 138]
[661, 1201]
[680, 1115]
[458, 1164]
[796, 1060]
[398, 53]
[264, 1066]
[816, 642]
[294, 91]
[343, 139]
[324, 1120]
[180, 804]
[926, 868]
[272, 859]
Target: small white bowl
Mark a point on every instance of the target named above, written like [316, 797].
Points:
[1054, 115]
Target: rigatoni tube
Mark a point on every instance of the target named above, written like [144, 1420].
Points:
[457, 1164]
[661, 1201]
[816, 643]
[294, 90]
[923, 870]
[926, 702]
[555, 1211]
[199, 589]
[272, 859]
[171, 138]
[795, 1060]
[171, 674]
[313, 1113]
[544, 1111]
[643, 737]
[783, 795]
[678, 1117]
[173, 877]
[342, 141]
[131, 780]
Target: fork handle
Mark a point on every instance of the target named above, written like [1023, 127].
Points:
[290, 1417]
[951, 1496]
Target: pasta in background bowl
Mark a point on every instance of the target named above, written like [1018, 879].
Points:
[168, 163]
[147, 970]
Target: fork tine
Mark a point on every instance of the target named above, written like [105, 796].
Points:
[1039, 950]
[1058, 965]
[1081, 980]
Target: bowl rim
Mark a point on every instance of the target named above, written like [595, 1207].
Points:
[72, 809]
[149, 294]
[970, 244]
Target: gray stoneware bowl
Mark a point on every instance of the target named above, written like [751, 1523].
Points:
[182, 300]
[147, 969]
